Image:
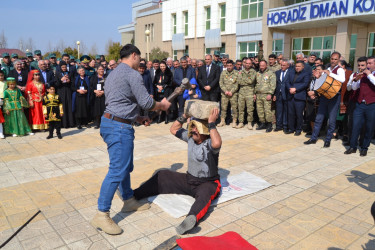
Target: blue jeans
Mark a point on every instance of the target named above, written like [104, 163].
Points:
[119, 138]
[363, 114]
[326, 105]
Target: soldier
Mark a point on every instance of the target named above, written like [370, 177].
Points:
[273, 65]
[30, 59]
[264, 88]
[34, 64]
[53, 63]
[229, 86]
[216, 60]
[85, 62]
[246, 82]
[6, 65]
[14, 57]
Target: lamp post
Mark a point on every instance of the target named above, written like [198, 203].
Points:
[78, 43]
[147, 33]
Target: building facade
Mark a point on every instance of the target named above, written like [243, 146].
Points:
[235, 27]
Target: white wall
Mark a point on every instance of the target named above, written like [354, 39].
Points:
[180, 6]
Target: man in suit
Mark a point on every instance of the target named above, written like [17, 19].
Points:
[296, 104]
[208, 80]
[281, 95]
[155, 66]
[47, 76]
[185, 71]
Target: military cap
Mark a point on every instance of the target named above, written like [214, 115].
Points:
[59, 59]
[5, 54]
[313, 54]
[14, 55]
[216, 53]
[186, 54]
[29, 54]
[72, 58]
[97, 57]
[37, 52]
[52, 55]
[46, 57]
[85, 59]
[225, 56]
[251, 55]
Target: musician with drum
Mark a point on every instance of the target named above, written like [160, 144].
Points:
[328, 85]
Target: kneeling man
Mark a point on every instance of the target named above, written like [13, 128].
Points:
[202, 180]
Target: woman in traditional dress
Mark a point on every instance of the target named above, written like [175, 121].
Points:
[15, 120]
[64, 90]
[81, 97]
[97, 94]
[35, 90]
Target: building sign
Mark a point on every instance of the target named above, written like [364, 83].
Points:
[319, 10]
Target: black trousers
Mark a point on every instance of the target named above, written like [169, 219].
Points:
[168, 182]
[212, 95]
[54, 125]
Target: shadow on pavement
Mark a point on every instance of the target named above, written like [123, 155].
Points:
[370, 244]
[73, 132]
[363, 180]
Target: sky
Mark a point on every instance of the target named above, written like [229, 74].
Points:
[51, 23]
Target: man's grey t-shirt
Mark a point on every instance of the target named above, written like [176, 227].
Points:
[125, 93]
[203, 160]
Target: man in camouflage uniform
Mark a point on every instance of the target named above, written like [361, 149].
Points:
[229, 87]
[273, 65]
[246, 82]
[6, 65]
[264, 89]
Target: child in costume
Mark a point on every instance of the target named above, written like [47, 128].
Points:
[35, 90]
[3, 87]
[53, 111]
[15, 120]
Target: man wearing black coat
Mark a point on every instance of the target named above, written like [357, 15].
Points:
[208, 80]
[46, 76]
[296, 104]
[283, 76]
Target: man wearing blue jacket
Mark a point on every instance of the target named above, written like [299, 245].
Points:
[185, 71]
[297, 101]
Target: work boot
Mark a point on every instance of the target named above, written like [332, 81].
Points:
[187, 224]
[261, 126]
[103, 221]
[133, 205]
[222, 123]
[269, 127]
[240, 125]
[249, 126]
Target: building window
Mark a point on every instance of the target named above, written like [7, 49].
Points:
[353, 45]
[371, 45]
[208, 51]
[251, 9]
[208, 17]
[277, 46]
[248, 49]
[222, 49]
[174, 54]
[152, 34]
[322, 46]
[186, 50]
[186, 23]
[174, 23]
[222, 17]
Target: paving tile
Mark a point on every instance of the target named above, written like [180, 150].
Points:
[289, 232]
[340, 237]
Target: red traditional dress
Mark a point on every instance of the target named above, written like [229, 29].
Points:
[35, 92]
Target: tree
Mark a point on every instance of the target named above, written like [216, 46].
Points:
[30, 44]
[157, 53]
[3, 40]
[21, 44]
[58, 54]
[94, 49]
[113, 50]
[72, 52]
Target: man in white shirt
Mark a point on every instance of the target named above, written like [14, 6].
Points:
[328, 105]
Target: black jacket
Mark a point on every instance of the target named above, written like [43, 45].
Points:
[212, 80]
[13, 73]
[50, 77]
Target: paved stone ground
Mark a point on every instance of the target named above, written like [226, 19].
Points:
[320, 198]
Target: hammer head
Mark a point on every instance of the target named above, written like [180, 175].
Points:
[185, 84]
